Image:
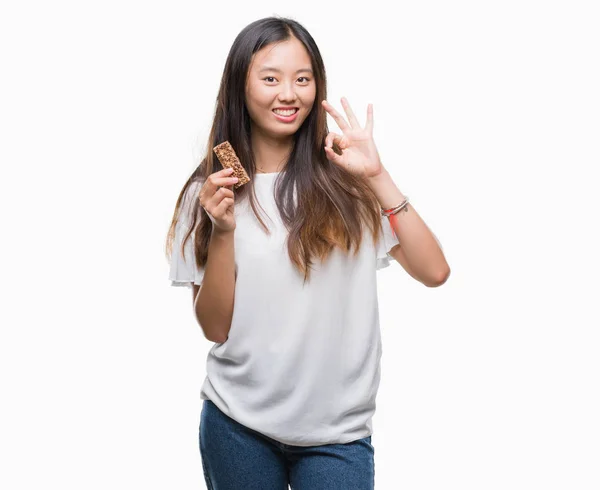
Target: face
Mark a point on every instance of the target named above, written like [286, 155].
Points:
[280, 78]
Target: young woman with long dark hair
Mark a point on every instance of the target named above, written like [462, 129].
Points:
[283, 272]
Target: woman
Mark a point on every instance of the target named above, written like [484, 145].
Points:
[291, 305]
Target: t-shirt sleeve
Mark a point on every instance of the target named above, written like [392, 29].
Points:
[386, 243]
[183, 270]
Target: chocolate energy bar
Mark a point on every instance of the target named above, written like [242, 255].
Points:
[229, 159]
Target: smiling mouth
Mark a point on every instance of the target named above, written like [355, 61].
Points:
[286, 113]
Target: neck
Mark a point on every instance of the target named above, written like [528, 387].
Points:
[270, 154]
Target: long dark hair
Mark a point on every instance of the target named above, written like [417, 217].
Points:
[331, 205]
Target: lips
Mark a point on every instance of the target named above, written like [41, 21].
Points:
[286, 118]
[287, 109]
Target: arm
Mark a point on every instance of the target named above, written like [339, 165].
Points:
[213, 300]
[418, 251]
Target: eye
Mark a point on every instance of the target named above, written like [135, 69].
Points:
[270, 79]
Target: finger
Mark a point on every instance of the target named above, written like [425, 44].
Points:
[221, 208]
[224, 192]
[369, 125]
[333, 156]
[340, 121]
[207, 194]
[224, 172]
[217, 198]
[351, 117]
[221, 174]
[210, 198]
[331, 138]
[216, 182]
[220, 194]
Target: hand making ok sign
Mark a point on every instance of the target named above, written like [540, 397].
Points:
[359, 153]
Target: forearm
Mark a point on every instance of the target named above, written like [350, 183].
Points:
[419, 245]
[214, 303]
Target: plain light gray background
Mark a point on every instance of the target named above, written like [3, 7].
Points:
[486, 115]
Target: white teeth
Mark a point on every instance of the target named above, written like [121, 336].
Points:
[284, 113]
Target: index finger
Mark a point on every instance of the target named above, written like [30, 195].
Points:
[341, 122]
[220, 178]
[225, 172]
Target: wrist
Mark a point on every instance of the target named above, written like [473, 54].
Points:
[387, 192]
[218, 234]
[379, 176]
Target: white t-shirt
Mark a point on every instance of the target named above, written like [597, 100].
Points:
[302, 362]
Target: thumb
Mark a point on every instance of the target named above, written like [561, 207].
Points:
[333, 156]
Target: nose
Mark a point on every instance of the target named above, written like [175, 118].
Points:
[288, 93]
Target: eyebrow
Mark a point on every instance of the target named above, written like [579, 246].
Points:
[269, 68]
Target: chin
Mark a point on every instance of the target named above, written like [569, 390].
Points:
[285, 133]
[285, 128]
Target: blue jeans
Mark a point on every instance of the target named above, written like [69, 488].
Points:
[235, 457]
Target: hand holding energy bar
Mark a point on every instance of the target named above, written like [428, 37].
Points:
[218, 199]
[229, 159]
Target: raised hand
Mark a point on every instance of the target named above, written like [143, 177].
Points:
[359, 153]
